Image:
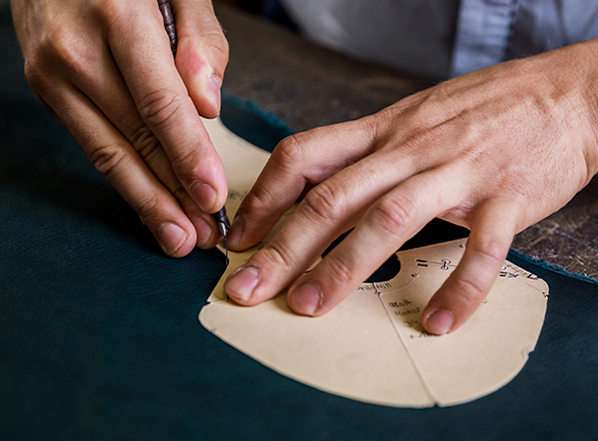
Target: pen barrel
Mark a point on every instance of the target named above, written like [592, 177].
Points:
[167, 14]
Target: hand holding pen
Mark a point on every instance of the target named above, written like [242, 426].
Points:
[105, 69]
[220, 216]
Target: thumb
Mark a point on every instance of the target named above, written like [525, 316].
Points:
[202, 53]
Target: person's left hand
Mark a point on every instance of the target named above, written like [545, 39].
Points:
[494, 151]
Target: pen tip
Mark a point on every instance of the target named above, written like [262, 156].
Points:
[226, 248]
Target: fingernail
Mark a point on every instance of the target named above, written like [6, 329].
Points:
[241, 283]
[204, 195]
[214, 91]
[204, 232]
[439, 322]
[235, 232]
[306, 299]
[171, 238]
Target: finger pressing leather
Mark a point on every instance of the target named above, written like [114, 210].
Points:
[328, 210]
[298, 162]
[388, 223]
[459, 297]
[112, 155]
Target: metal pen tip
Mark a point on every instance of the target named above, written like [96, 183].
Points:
[223, 226]
[226, 249]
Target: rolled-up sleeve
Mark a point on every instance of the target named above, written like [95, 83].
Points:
[492, 31]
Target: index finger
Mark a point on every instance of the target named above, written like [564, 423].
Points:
[142, 51]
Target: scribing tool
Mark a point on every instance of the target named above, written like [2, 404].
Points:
[220, 216]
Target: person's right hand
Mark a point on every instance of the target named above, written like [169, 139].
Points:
[105, 69]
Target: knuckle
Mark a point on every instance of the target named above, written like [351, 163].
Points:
[159, 106]
[466, 290]
[339, 269]
[112, 13]
[183, 163]
[488, 249]
[212, 32]
[108, 159]
[149, 209]
[393, 214]
[277, 255]
[217, 44]
[145, 142]
[289, 152]
[324, 201]
[62, 45]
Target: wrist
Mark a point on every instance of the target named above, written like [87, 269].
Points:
[572, 77]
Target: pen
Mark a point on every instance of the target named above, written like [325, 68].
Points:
[220, 216]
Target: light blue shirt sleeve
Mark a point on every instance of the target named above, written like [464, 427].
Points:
[492, 31]
[482, 37]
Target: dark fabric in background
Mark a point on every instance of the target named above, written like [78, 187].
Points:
[99, 337]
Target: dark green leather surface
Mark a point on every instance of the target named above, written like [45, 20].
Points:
[99, 338]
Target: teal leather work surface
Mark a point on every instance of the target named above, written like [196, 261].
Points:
[99, 338]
